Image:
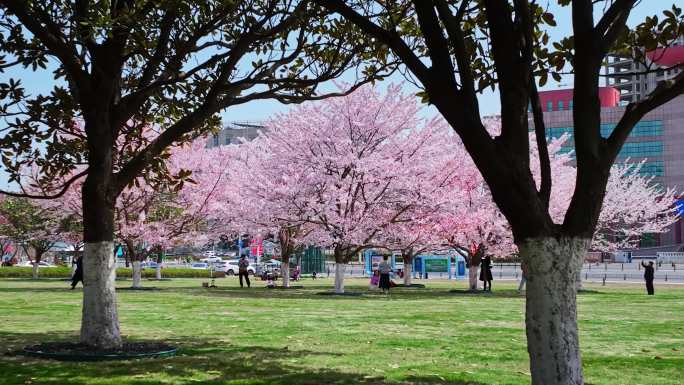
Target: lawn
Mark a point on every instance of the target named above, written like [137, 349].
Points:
[230, 335]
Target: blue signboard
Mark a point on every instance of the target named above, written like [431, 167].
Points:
[680, 207]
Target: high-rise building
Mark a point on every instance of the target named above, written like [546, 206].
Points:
[658, 140]
[634, 80]
[233, 132]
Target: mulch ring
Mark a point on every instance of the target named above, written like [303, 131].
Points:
[69, 351]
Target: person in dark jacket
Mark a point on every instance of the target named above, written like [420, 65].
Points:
[78, 274]
[486, 273]
[243, 271]
[648, 276]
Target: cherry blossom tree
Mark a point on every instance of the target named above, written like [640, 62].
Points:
[342, 168]
[633, 205]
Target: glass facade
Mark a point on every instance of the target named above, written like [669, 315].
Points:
[643, 128]
[645, 149]
[641, 149]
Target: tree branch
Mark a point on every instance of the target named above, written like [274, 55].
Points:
[663, 93]
[64, 189]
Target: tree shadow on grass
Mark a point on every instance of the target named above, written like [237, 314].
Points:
[199, 361]
[313, 292]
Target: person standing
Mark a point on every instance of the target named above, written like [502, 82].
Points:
[523, 279]
[243, 271]
[486, 273]
[384, 268]
[649, 274]
[78, 274]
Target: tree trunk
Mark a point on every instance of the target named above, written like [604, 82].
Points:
[551, 309]
[340, 268]
[137, 273]
[158, 271]
[36, 264]
[100, 323]
[34, 274]
[285, 270]
[407, 272]
[472, 277]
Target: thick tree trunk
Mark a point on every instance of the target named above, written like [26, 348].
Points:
[340, 268]
[137, 274]
[472, 277]
[100, 323]
[407, 272]
[551, 309]
[285, 270]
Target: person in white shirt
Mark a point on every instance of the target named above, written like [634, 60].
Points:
[385, 269]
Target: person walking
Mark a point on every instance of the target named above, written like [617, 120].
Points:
[384, 268]
[486, 273]
[523, 279]
[78, 274]
[648, 276]
[243, 271]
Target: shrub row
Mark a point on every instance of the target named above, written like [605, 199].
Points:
[65, 272]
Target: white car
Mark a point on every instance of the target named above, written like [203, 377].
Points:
[200, 266]
[212, 259]
[40, 264]
[232, 267]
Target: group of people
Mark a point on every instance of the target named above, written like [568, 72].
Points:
[381, 276]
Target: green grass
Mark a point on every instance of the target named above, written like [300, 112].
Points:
[230, 335]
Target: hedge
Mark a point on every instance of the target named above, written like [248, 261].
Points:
[65, 272]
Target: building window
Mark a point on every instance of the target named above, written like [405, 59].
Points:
[549, 106]
[641, 149]
[227, 141]
[570, 105]
[216, 140]
[560, 105]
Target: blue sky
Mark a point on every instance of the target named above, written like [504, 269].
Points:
[42, 81]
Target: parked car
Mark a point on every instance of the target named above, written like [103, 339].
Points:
[200, 266]
[149, 265]
[232, 267]
[212, 259]
[40, 264]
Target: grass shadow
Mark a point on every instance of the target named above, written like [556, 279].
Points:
[199, 361]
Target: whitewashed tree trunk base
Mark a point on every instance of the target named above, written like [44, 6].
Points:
[158, 271]
[407, 274]
[285, 271]
[339, 277]
[137, 274]
[551, 309]
[100, 322]
[472, 277]
[34, 274]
